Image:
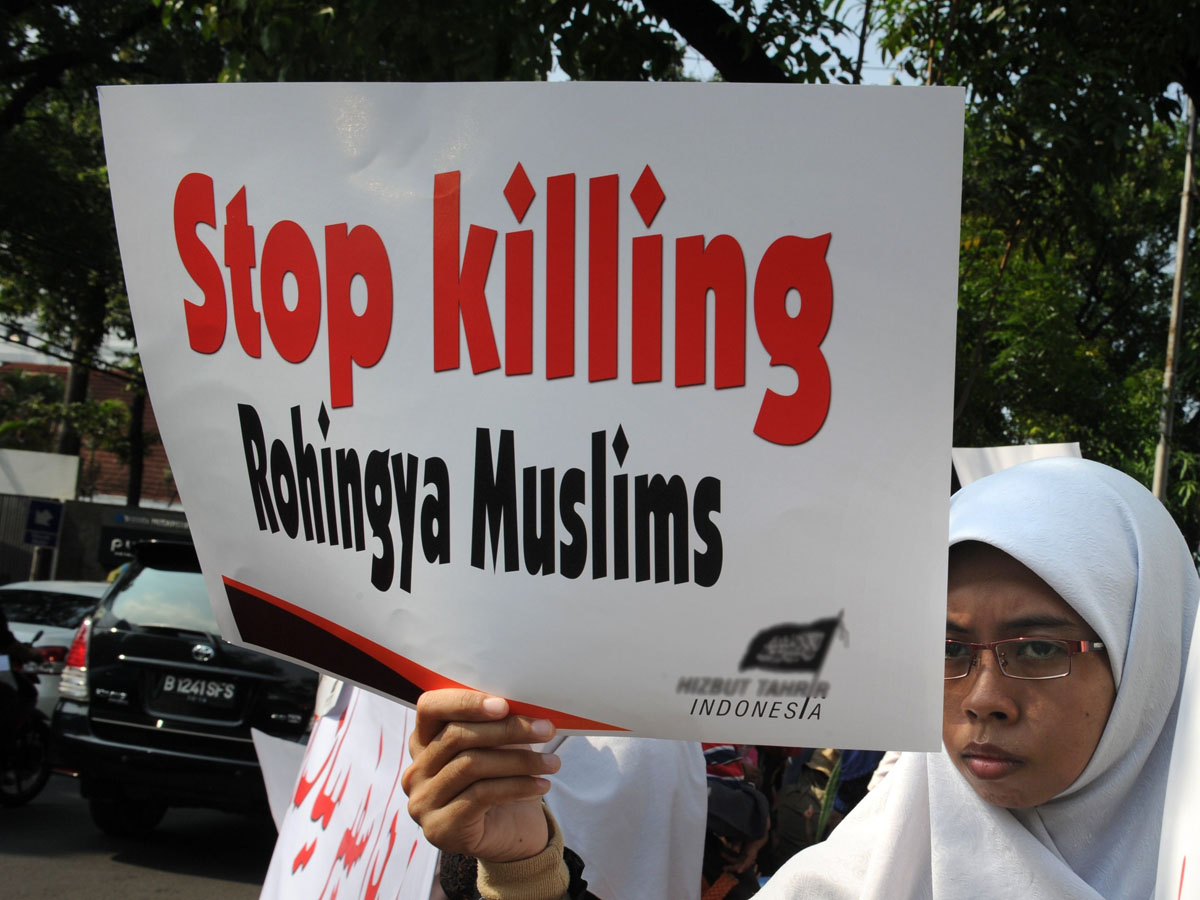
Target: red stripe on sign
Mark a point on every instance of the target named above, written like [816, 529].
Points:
[1182, 869]
[418, 676]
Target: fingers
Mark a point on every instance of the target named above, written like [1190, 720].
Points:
[436, 708]
[474, 780]
[455, 732]
[469, 751]
[474, 784]
[509, 731]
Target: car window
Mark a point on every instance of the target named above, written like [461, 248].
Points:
[159, 597]
[46, 607]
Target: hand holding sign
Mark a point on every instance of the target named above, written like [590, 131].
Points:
[473, 785]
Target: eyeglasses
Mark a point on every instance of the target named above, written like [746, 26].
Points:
[1032, 659]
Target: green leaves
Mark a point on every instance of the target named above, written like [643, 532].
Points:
[30, 409]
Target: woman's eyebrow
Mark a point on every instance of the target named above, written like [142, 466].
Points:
[1036, 620]
[1043, 620]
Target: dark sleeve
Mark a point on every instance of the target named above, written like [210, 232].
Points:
[7, 638]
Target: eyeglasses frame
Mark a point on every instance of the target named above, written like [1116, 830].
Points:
[1073, 648]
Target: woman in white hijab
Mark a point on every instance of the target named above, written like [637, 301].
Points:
[1071, 603]
[1037, 792]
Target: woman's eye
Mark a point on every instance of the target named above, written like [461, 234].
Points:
[956, 651]
[1039, 650]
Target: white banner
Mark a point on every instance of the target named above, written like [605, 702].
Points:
[346, 832]
[628, 402]
[29, 474]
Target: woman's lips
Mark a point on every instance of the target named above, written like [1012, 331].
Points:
[988, 763]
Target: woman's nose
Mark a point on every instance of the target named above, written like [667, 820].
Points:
[989, 692]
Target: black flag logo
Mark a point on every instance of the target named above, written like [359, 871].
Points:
[791, 647]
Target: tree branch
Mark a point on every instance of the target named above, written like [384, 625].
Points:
[722, 40]
[38, 74]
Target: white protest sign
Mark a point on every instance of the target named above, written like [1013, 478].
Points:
[346, 832]
[630, 403]
[279, 759]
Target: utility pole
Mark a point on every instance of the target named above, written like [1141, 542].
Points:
[1162, 456]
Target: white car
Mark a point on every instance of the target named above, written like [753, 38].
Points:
[51, 612]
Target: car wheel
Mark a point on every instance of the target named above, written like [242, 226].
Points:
[127, 817]
[26, 766]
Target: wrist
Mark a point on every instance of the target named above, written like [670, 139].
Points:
[542, 876]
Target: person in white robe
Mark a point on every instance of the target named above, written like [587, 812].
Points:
[941, 824]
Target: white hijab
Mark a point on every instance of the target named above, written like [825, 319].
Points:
[1111, 550]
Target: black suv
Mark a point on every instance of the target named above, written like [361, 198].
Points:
[156, 709]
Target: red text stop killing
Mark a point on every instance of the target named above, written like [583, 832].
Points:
[703, 266]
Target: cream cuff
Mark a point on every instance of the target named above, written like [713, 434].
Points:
[540, 877]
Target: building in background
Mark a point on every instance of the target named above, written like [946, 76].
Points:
[98, 526]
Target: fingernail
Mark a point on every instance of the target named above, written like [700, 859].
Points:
[552, 762]
[494, 705]
[541, 729]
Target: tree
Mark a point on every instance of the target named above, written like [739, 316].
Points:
[29, 410]
[57, 244]
[294, 40]
[1070, 209]
[51, 48]
[59, 265]
[32, 411]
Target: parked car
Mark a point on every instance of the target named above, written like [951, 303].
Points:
[47, 614]
[156, 708]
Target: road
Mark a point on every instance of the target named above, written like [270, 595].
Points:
[51, 849]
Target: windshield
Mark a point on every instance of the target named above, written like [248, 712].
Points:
[46, 607]
[164, 598]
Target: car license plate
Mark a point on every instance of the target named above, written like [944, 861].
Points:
[202, 691]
